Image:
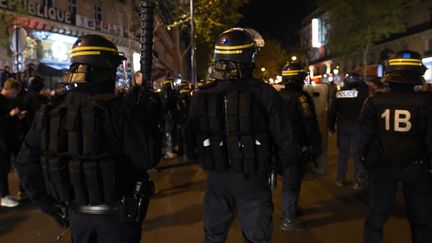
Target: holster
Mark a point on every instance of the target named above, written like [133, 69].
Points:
[134, 207]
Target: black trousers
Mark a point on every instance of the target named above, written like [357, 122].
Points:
[417, 190]
[5, 165]
[90, 228]
[230, 192]
[292, 181]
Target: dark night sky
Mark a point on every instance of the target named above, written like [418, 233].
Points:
[279, 19]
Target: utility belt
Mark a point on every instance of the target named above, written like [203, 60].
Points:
[129, 208]
[248, 154]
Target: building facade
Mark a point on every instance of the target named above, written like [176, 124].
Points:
[54, 25]
[324, 66]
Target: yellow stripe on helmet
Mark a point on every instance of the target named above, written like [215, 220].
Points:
[229, 52]
[234, 47]
[85, 53]
[405, 63]
[292, 72]
[405, 60]
[93, 48]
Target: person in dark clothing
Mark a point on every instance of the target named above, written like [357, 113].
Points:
[89, 150]
[170, 112]
[6, 74]
[396, 142]
[303, 118]
[345, 110]
[33, 100]
[10, 116]
[237, 123]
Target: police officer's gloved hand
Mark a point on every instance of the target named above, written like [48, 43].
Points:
[58, 212]
[332, 130]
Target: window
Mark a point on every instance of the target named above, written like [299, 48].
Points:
[98, 13]
[73, 7]
[49, 3]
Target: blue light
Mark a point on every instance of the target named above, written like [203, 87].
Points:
[406, 55]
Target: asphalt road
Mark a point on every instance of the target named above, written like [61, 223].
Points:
[335, 214]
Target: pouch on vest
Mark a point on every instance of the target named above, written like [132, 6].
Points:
[78, 182]
[57, 137]
[215, 114]
[235, 153]
[59, 175]
[74, 131]
[263, 151]
[94, 182]
[248, 152]
[205, 152]
[218, 153]
[43, 126]
[91, 128]
[108, 169]
[45, 172]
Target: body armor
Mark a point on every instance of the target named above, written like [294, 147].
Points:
[234, 130]
[79, 162]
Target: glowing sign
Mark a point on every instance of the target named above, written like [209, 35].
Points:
[316, 43]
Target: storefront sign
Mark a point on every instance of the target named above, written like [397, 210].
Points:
[38, 10]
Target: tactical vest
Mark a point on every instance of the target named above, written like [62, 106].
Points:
[401, 127]
[233, 132]
[79, 162]
[350, 101]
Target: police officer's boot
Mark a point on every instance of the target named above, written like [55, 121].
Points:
[295, 224]
[169, 154]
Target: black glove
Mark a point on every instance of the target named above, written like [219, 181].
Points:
[59, 213]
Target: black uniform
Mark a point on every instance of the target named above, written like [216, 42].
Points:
[236, 126]
[396, 136]
[303, 118]
[345, 110]
[127, 142]
[90, 150]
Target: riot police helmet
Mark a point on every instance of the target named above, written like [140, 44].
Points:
[239, 45]
[96, 51]
[94, 59]
[404, 67]
[352, 79]
[293, 73]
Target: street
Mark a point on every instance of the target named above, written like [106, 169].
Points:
[335, 214]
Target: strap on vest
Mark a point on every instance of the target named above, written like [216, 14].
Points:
[73, 127]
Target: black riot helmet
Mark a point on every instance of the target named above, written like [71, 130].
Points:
[239, 45]
[234, 54]
[94, 59]
[404, 67]
[293, 74]
[96, 51]
[352, 80]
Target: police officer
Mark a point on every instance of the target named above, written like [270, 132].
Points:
[301, 110]
[89, 151]
[345, 110]
[396, 140]
[236, 122]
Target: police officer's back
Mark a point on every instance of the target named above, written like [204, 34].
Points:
[344, 111]
[87, 150]
[236, 123]
[301, 110]
[396, 140]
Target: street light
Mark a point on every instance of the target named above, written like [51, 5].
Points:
[293, 58]
[263, 69]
